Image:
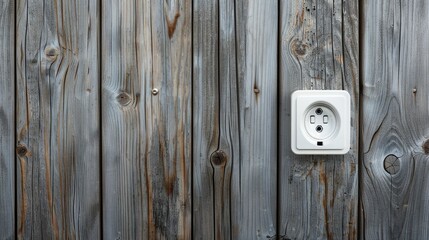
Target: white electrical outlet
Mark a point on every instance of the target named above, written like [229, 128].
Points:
[320, 122]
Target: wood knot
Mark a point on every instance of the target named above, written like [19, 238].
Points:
[218, 158]
[123, 98]
[256, 90]
[21, 150]
[299, 48]
[51, 53]
[392, 164]
[425, 147]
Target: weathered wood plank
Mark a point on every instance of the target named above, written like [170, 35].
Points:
[395, 126]
[235, 119]
[319, 50]
[58, 180]
[7, 119]
[146, 133]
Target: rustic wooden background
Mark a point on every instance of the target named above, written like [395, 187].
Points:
[170, 119]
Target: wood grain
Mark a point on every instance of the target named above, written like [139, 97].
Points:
[146, 89]
[7, 119]
[235, 119]
[58, 132]
[319, 50]
[395, 126]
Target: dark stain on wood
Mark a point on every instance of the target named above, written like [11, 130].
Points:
[324, 182]
[255, 89]
[151, 221]
[24, 203]
[48, 186]
[170, 181]
[351, 224]
[172, 24]
[300, 18]
[426, 147]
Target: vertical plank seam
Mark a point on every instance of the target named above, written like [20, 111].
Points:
[192, 118]
[237, 79]
[100, 112]
[278, 203]
[360, 223]
[219, 102]
[15, 45]
[343, 71]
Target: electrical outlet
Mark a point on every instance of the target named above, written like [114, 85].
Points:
[320, 122]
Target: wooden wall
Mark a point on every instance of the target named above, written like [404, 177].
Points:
[395, 120]
[57, 119]
[7, 120]
[170, 119]
[319, 50]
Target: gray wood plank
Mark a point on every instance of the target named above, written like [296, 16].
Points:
[146, 134]
[319, 50]
[58, 132]
[395, 126]
[235, 119]
[7, 119]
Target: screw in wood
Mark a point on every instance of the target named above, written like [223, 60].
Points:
[155, 91]
[392, 164]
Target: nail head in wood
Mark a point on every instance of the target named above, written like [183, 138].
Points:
[414, 90]
[155, 91]
[218, 158]
[392, 164]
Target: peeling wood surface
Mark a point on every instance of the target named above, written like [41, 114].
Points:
[146, 119]
[395, 126]
[319, 50]
[234, 119]
[7, 119]
[58, 132]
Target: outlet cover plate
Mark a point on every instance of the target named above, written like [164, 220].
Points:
[333, 122]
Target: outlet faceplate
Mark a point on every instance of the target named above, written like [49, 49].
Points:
[320, 122]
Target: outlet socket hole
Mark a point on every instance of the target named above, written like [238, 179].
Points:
[319, 143]
[319, 111]
[319, 128]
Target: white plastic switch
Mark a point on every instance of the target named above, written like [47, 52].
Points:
[320, 122]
